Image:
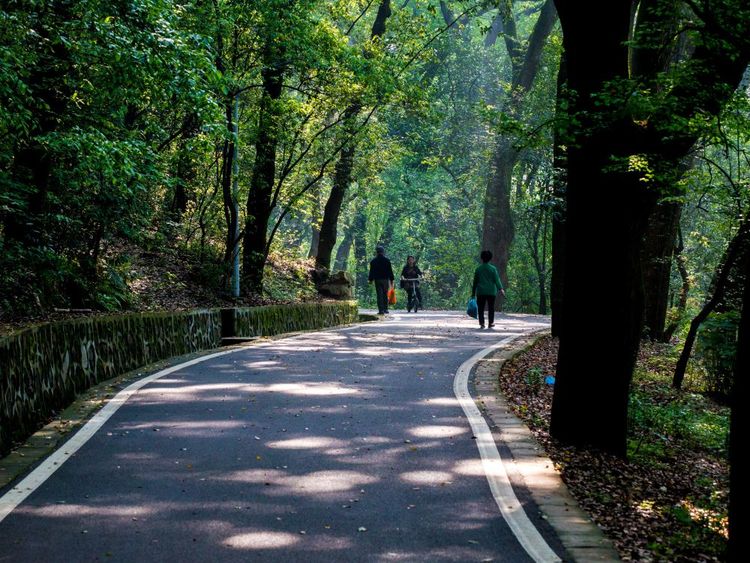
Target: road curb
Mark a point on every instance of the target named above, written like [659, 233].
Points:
[582, 539]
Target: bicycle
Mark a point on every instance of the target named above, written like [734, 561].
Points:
[413, 301]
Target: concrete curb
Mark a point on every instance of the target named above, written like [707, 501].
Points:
[582, 539]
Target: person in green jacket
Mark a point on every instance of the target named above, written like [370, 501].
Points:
[486, 285]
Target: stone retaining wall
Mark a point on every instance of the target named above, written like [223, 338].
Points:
[43, 368]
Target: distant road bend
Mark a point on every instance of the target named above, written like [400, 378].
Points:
[356, 444]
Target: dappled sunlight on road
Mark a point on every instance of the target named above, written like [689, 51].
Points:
[426, 477]
[437, 431]
[117, 511]
[265, 539]
[318, 482]
[312, 442]
[344, 445]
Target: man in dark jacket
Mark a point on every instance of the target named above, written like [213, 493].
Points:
[381, 274]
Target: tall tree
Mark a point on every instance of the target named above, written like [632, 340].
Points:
[343, 169]
[498, 230]
[615, 144]
[263, 179]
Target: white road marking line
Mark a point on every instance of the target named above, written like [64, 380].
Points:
[10, 500]
[510, 507]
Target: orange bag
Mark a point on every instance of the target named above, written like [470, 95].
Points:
[391, 296]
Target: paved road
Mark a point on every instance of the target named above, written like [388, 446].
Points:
[344, 445]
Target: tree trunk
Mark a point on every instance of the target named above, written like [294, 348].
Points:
[315, 222]
[185, 172]
[360, 249]
[343, 251]
[738, 464]
[341, 180]
[606, 211]
[31, 165]
[227, 166]
[497, 228]
[681, 263]
[608, 203]
[737, 249]
[263, 176]
[595, 367]
[344, 166]
[658, 249]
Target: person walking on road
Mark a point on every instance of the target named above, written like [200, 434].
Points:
[411, 275]
[381, 274]
[486, 285]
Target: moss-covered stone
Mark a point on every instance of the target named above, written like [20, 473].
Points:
[43, 368]
[278, 319]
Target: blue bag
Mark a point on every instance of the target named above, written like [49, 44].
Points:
[471, 308]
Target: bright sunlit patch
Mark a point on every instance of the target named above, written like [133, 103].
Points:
[441, 402]
[307, 443]
[437, 431]
[471, 467]
[68, 510]
[305, 388]
[426, 477]
[329, 481]
[261, 540]
[316, 482]
[189, 389]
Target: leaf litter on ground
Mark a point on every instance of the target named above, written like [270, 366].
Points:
[668, 502]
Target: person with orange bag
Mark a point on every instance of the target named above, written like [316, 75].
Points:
[381, 274]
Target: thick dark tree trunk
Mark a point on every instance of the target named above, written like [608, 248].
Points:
[185, 172]
[360, 249]
[32, 163]
[602, 265]
[341, 180]
[606, 212]
[738, 461]
[314, 240]
[497, 229]
[263, 177]
[658, 249]
[608, 204]
[227, 165]
[315, 224]
[343, 171]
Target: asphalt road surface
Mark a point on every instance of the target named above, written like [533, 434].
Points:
[341, 445]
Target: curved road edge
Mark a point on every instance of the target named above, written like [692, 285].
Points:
[582, 539]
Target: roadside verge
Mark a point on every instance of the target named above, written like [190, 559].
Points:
[582, 539]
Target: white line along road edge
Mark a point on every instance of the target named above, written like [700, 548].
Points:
[510, 507]
[10, 500]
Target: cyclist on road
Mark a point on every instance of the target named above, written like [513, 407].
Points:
[411, 276]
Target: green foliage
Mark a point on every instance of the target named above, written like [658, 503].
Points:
[535, 379]
[716, 346]
[659, 415]
[290, 280]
